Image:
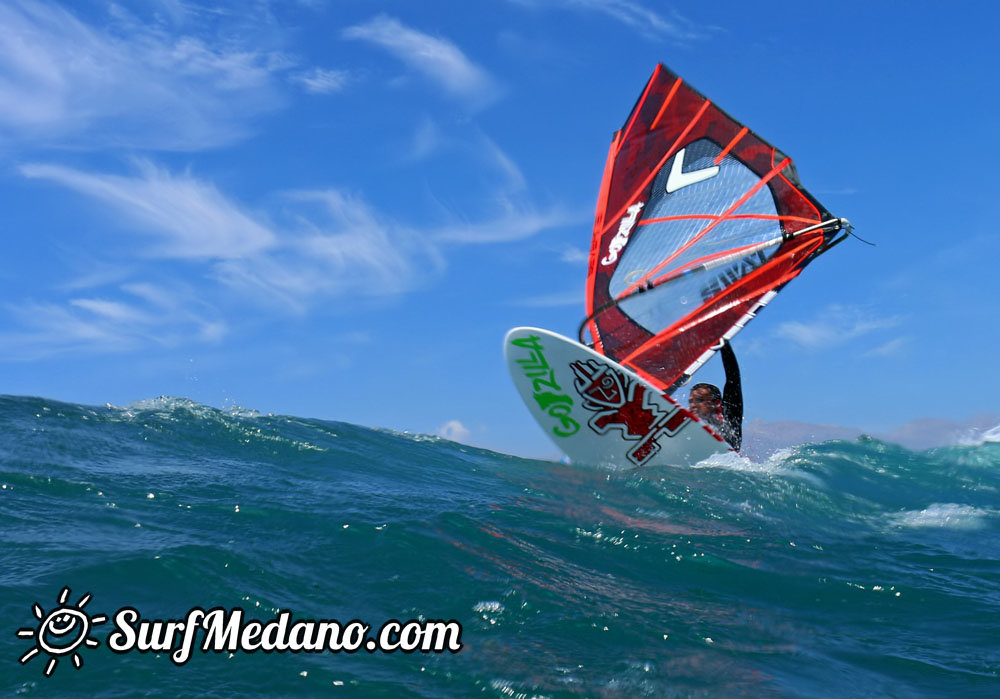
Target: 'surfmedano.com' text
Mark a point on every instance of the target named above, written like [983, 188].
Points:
[228, 630]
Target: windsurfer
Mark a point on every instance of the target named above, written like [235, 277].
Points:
[722, 410]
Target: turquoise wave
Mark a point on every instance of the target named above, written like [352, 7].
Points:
[834, 569]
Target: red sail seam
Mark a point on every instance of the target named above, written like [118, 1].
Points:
[638, 105]
[804, 198]
[712, 217]
[654, 171]
[725, 151]
[595, 248]
[666, 103]
[602, 195]
[739, 202]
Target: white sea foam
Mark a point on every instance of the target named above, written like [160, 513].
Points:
[165, 406]
[776, 462]
[781, 463]
[491, 606]
[732, 461]
[974, 438]
[943, 515]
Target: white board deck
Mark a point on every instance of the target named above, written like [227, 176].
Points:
[599, 412]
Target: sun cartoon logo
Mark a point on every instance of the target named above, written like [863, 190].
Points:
[61, 631]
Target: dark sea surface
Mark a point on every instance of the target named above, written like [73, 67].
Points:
[848, 568]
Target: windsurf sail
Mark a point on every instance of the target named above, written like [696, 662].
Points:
[699, 223]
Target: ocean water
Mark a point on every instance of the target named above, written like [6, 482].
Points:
[836, 569]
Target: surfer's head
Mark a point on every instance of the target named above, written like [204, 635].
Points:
[705, 401]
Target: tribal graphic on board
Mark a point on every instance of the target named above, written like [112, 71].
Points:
[619, 402]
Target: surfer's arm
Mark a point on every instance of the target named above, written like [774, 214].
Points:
[732, 395]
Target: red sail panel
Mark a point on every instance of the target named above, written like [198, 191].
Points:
[698, 219]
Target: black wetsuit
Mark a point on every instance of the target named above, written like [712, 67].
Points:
[732, 399]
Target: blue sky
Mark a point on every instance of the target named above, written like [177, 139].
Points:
[337, 209]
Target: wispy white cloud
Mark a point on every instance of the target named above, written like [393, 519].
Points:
[49, 327]
[634, 15]
[344, 247]
[888, 349]
[510, 215]
[317, 245]
[516, 223]
[454, 431]
[503, 163]
[427, 138]
[336, 243]
[639, 17]
[190, 217]
[132, 84]
[835, 325]
[112, 311]
[437, 58]
[138, 315]
[84, 270]
[506, 212]
[574, 255]
[321, 81]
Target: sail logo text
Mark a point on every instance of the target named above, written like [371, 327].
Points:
[732, 273]
[624, 231]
